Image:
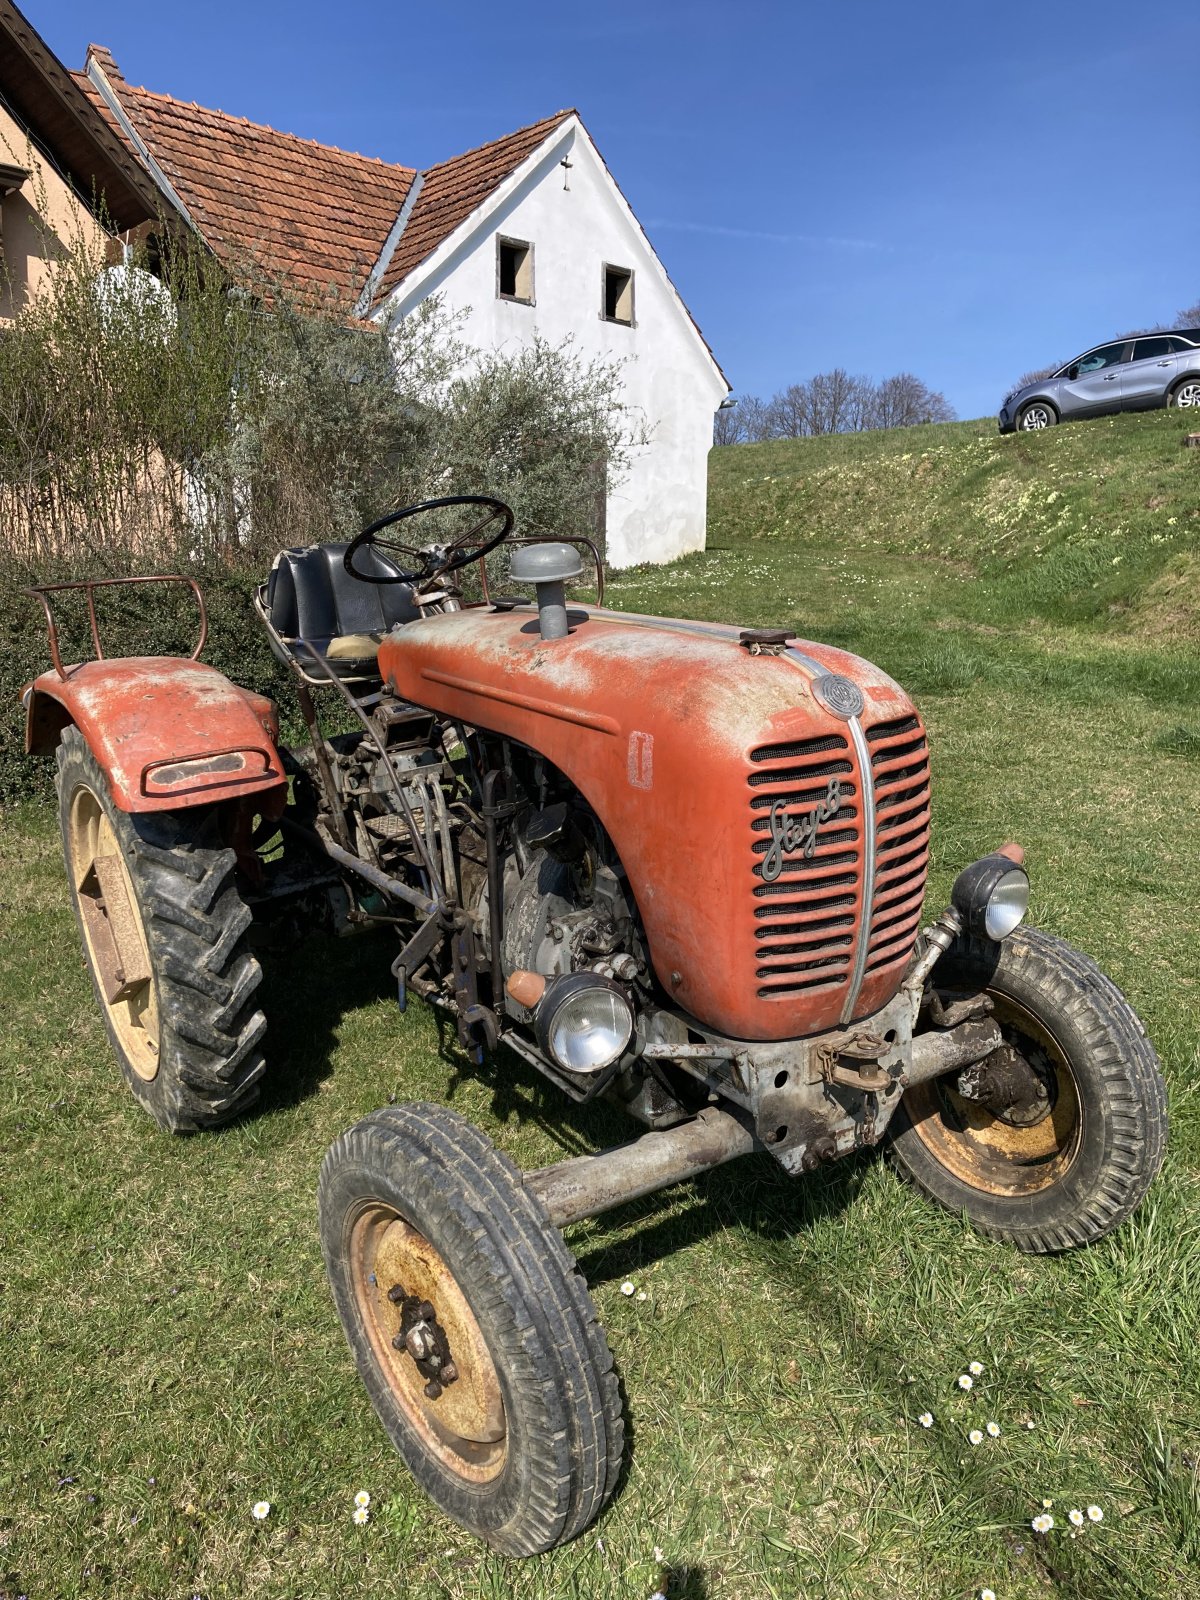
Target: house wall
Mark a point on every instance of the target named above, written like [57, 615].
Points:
[42, 222]
[576, 221]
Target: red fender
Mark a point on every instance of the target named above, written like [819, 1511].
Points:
[168, 732]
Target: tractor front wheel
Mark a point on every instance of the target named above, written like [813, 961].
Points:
[162, 926]
[472, 1328]
[1053, 1140]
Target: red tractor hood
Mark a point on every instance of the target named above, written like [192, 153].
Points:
[777, 850]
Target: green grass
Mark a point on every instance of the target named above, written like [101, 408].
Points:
[172, 1353]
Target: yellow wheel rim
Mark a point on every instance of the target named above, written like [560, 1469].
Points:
[114, 934]
[982, 1150]
[464, 1426]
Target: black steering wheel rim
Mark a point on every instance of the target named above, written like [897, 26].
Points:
[441, 558]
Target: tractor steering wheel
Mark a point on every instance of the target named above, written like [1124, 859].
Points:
[436, 559]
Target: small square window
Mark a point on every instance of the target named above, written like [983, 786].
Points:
[618, 295]
[514, 270]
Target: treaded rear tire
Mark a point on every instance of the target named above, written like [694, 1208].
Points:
[561, 1399]
[203, 977]
[1117, 1083]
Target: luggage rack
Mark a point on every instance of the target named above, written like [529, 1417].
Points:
[44, 591]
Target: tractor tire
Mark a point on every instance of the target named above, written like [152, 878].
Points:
[1073, 1165]
[162, 926]
[422, 1217]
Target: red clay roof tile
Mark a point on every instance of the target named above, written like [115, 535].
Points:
[315, 214]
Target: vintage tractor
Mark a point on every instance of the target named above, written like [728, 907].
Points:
[677, 864]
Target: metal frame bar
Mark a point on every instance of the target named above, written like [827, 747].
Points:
[43, 591]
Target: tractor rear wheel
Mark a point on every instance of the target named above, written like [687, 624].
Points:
[472, 1328]
[162, 926]
[1060, 1132]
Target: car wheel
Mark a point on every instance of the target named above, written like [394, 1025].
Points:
[1037, 414]
[1186, 393]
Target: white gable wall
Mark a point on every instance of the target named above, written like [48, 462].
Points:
[671, 382]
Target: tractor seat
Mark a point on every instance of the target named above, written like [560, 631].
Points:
[312, 599]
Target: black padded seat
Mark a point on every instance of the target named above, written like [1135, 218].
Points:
[311, 596]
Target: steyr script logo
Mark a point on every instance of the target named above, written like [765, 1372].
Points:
[789, 834]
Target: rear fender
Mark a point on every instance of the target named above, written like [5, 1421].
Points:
[168, 733]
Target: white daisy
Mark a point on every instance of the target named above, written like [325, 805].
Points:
[993, 1429]
[965, 1382]
[362, 1499]
[260, 1510]
[1075, 1517]
[976, 1369]
[987, 1594]
[1043, 1523]
[627, 1287]
[975, 1436]
[926, 1419]
[1030, 1426]
[1047, 1504]
[1095, 1514]
[361, 1515]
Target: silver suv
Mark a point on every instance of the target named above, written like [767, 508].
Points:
[1132, 374]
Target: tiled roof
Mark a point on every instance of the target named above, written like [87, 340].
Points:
[454, 189]
[313, 213]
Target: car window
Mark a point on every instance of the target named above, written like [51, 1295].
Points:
[1151, 349]
[1186, 345]
[1107, 356]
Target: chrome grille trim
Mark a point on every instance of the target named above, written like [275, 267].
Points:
[867, 807]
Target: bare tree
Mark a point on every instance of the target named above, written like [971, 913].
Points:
[757, 424]
[903, 401]
[727, 425]
[1190, 318]
[791, 412]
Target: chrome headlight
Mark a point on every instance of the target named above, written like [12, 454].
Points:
[993, 896]
[584, 1022]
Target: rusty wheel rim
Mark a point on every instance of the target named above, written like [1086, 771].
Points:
[114, 934]
[465, 1426]
[982, 1150]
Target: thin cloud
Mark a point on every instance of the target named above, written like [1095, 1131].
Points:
[833, 240]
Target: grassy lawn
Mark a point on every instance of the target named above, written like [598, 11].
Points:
[172, 1352]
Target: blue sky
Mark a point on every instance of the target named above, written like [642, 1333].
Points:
[958, 190]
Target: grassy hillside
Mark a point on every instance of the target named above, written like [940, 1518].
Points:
[171, 1351]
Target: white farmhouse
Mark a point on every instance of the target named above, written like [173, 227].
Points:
[528, 234]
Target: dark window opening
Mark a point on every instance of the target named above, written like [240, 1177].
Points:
[618, 295]
[514, 270]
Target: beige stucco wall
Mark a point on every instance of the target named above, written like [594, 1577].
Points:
[42, 222]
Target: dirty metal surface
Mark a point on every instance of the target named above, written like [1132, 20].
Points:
[394, 1268]
[655, 721]
[168, 732]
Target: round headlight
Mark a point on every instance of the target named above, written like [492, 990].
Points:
[993, 896]
[584, 1022]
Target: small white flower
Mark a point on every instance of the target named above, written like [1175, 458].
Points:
[641, 1295]
[965, 1382]
[926, 1419]
[1075, 1517]
[627, 1287]
[1095, 1514]
[1030, 1426]
[975, 1436]
[361, 1516]
[976, 1369]
[993, 1429]
[1047, 1504]
[362, 1499]
[1043, 1523]
[987, 1594]
[260, 1510]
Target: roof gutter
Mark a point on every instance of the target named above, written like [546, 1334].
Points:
[106, 92]
[384, 260]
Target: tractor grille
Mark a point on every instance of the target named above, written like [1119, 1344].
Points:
[900, 768]
[807, 920]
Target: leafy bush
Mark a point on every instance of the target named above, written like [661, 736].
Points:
[178, 423]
